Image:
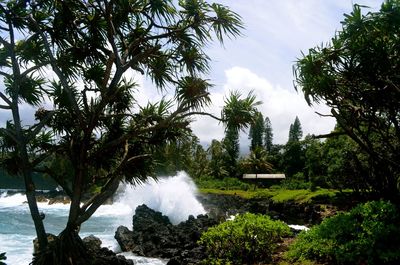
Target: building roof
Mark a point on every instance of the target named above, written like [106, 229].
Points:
[263, 176]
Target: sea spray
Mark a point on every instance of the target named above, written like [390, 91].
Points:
[173, 196]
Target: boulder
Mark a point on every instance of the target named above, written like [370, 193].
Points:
[50, 238]
[124, 238]
[92, 243]
[153, 235]
[103, 256]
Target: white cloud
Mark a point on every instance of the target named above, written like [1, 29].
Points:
[280, 105]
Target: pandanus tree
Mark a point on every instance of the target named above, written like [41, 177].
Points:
[356, 75]
[92, 50]
[238, 114]
[20, 60]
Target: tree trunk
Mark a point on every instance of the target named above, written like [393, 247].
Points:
[34, 210]
[27, 174]
[68, 249]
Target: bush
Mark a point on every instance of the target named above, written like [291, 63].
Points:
[247, 239]
[2, 257]
[294, 183]
[368, 234]
[222, 184]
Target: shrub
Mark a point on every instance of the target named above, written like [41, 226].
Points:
[222, 184]
[247, 239]
[293, 184]
[2, 257]
[368, 234]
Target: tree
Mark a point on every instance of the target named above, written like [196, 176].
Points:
[184, 154]
[268, 135]
[20, 61]
[314, 162]
[356, 75]
[231, 147]
[295, 131]
[256, 132]
[294, 151]
[257, 162]
[217, 165]
[105, 136]
[347, 165]
[237, 113]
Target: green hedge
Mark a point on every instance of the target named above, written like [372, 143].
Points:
[368, 234]
[247, 239]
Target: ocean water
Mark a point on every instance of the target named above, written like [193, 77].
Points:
[173, 196]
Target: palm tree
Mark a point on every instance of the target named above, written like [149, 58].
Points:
[257, 162]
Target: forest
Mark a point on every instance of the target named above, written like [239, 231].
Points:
[74, 61]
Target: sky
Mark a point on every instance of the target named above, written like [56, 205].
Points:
[261, 60]
[275, 35]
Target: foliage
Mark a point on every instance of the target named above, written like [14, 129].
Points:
[295, 183]
[303, 195]
[268, 135]
[346, 164]
[183, 154]
[247, 239]
[217, 166]
[2, 257]
[293, 158]
[238, 113]
[276, 157]
[231, 147]
[23, 146]
[227, 183]
[280, 195]
[368, 234]
[356, 75]
[256, 132]
[100, 133]
[314, 164]
[295, 131]
[256, 162]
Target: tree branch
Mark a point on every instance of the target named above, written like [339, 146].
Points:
[5, 74]
[3, 97]
[56, 69]
[37, 127]
[329, 135]
[5, 107]
[33, 68]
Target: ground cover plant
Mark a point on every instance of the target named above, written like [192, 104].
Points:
[281, 195]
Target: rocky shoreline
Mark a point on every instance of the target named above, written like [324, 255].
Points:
[221, 207]
[153, 235]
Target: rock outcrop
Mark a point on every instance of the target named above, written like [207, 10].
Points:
[103, 256]
[223, 206]
[153, 235]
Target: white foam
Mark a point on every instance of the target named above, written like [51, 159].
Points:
[299, 227]
[172, 196]
[143, 260]
[17, 199]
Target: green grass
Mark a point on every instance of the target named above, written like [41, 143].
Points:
[303, 196]
[280, 195]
